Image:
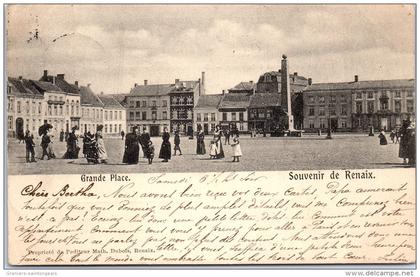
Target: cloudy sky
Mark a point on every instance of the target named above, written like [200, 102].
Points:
[114, 46]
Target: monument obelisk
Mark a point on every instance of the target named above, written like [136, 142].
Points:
[286, 99]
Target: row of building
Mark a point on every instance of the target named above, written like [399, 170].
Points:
[277, 101]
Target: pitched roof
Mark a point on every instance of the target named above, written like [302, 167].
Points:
[377, 84]
[120, 97]
[243, 86]
[235, 101]
[61, 83]
[185, 87]
[262, 100]
[88, 97]
[209, 101]
[45, 86]
[295, 78]
[24, 87]
[151, 90]
[110, 102]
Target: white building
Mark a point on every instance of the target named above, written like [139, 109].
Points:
[114, 116]
[206, 112]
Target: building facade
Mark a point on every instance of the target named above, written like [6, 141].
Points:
[114, 116]
[149, 107]
[92, 110]
[233, 111]
[206, 113]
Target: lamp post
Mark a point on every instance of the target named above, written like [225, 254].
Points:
[329, 119]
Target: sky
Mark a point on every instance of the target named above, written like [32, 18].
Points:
[112, 47]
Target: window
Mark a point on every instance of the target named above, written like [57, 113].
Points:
[144, 103]
[233, 116]
[397, 94]
[224, 116]
[40, 107]
[370, 95]
[67, 109]
[321, 111]
[269, 113]
[332, 111]
[115, 128]
[322, 123]
[311, 111]
[154, 115]
[370, 106]
[164, 115]
[333, 99]
[212, 127]
[311, 124]
[106, 128]
[27, 107]
[10, 123]
[409, 93]
[410, 106]
[120, 115]
[384, 105]
[18, 106]
[119, 128]
[198, 116]
[77, 109]
[33, 107]
[213, 116]
[33, 125]
[206, 117]
[358, 107]
[137, 104]
[138, 116]
[72, 110]
[144, 115]
[49, 110]
[311, 99]
[110, 115]
[252, 114]
[343, 124]
[343, 99]
[261, 113]
[321, 99]
[154, 103]
[241, 116]
[398, 106]
[55, 110]
[131, 115]
[164, 103]
[358, 95]
[241, 126]
[106, 115]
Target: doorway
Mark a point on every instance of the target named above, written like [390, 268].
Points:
[384, 123]
[154, 130]
[19, 128]
[206, 128]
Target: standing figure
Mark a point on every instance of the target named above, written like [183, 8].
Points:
[20, 136]
[150, 152]
[102, 155]
[72, 145]
[411, 130]
[177, 142]
[46, 144]
[227, 136]
[131, 152]
[122, 134]
[66, 135]
[404, 134]
[213, 151]
[144, 140]
[90, 149]
[62, 135]
[392, 135]
[382, 138]
[165, 149]
[201, 148]
[218, 141]
[30, 150]
[236, 148]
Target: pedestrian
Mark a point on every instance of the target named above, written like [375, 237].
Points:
[165, 149]
[66, 135]
[213, 151]
[397, 136]
[404, 141]
[131, 152]
[218, 142]
[227, 136]
[411, 131]
[30, 150]
[392, 135]
[46, 144]
[90, 149]
[72, 145]
[177, 142]
[382, 138]
[144, 140]
[236, 148]
[100, 144]
[122, 134]
[62, 135]
[201, 147]
[20, 136]
[150, 151]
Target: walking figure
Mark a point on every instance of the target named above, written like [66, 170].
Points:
[165, 149]
[46, 144]
[131, 152]
[122, 134]
[30, 150]
[177, 142]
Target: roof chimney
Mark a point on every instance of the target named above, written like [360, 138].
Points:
[176, 81]
[76, 83]
[356, 78]
[102, 93]
[309, 81]
[20, 78]
[203, 82]
[88, 85]
[251, 82]
[53, 80]
[135, 84]
[223, 92]
[45, 74]
[145, 82]
[60, 76]
[296, 74]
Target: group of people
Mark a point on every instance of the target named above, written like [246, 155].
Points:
[216, 146]
[406, 137]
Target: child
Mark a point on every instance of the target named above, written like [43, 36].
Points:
[150, 151]
[236, 148]
[30, 151]
[213, 151]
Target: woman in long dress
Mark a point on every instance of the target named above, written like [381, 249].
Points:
[218, 142]
[165, 149]
[72, 147]
[404, 134]
[131, 152]
[201, 147]
[102, 155]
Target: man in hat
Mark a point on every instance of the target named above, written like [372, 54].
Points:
[30, 151]
[46, 144]
[131, 152]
